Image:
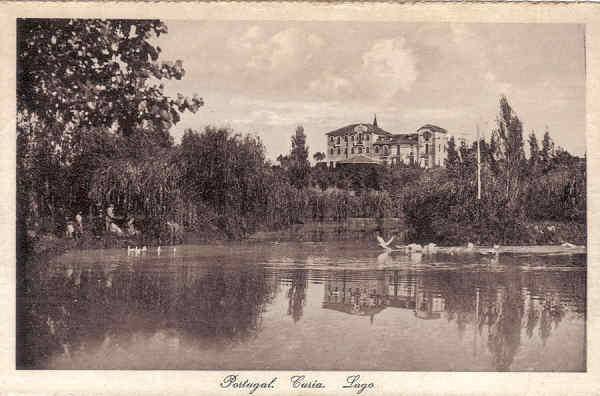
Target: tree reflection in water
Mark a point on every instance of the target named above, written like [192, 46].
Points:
[77, 308]
[70, 310]
[297, 293]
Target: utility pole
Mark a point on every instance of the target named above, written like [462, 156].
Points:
[478, 166]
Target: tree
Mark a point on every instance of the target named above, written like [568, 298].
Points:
[299, 171]
[509, 135]
[547, 150]
[534, 152]
[73, 73]
[453, 159]
[319, 156]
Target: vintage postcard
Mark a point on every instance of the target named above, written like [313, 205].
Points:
[269, 198]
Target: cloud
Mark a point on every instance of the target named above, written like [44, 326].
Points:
[283, 52]
[330, 85]
[248, 40]
[388, 67]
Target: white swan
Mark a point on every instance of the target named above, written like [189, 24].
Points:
[568, 245]
[430, 248]
[130, 250]
[158, 250]
[415, 247]
[383, 243]
[488, 252]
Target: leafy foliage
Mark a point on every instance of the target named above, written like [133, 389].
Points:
[96, 73]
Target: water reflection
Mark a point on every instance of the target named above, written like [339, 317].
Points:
[202, 312]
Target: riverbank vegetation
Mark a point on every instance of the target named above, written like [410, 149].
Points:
[93, 128]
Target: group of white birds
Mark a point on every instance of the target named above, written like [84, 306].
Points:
[135, 251]
[431, 248]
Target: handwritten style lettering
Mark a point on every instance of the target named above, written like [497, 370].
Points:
[232, 381]
[353, 382]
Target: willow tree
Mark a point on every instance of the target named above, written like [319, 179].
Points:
[148, 187]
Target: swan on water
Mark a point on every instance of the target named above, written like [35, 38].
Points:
[568, 245]
[488, 252]
[383, 243]
[415, 247]
[430, 248]
[130, 250]
[158, 250]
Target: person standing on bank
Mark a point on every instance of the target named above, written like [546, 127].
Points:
[79, 221]
[109, 216]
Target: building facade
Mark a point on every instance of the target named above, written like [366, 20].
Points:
[367, 143]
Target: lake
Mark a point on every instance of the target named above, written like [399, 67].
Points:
[300, 306]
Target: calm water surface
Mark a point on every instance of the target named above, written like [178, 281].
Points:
[296, 306]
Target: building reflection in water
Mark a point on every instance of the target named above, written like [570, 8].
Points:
[501, 303]
[367, 293]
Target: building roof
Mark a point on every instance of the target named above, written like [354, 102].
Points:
[433, 128]
[359, 159]
[350, 129]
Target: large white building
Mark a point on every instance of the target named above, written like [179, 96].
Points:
[367, 143]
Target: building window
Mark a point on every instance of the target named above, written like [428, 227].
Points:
[352, 137]
[439, 147]
[352, 150]
[331, 151]
[376, 149]
[360, 150]
[338, 140]
[346, 151]
[367, 150]
[385, 149]
[331, 139]
[367, 136]
[345, 138]
[426, 148]
[339, 152]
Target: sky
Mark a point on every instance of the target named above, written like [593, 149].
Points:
[266, 78]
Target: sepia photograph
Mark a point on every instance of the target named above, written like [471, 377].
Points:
[300, 195]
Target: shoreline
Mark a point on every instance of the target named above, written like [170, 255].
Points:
[48, 246]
